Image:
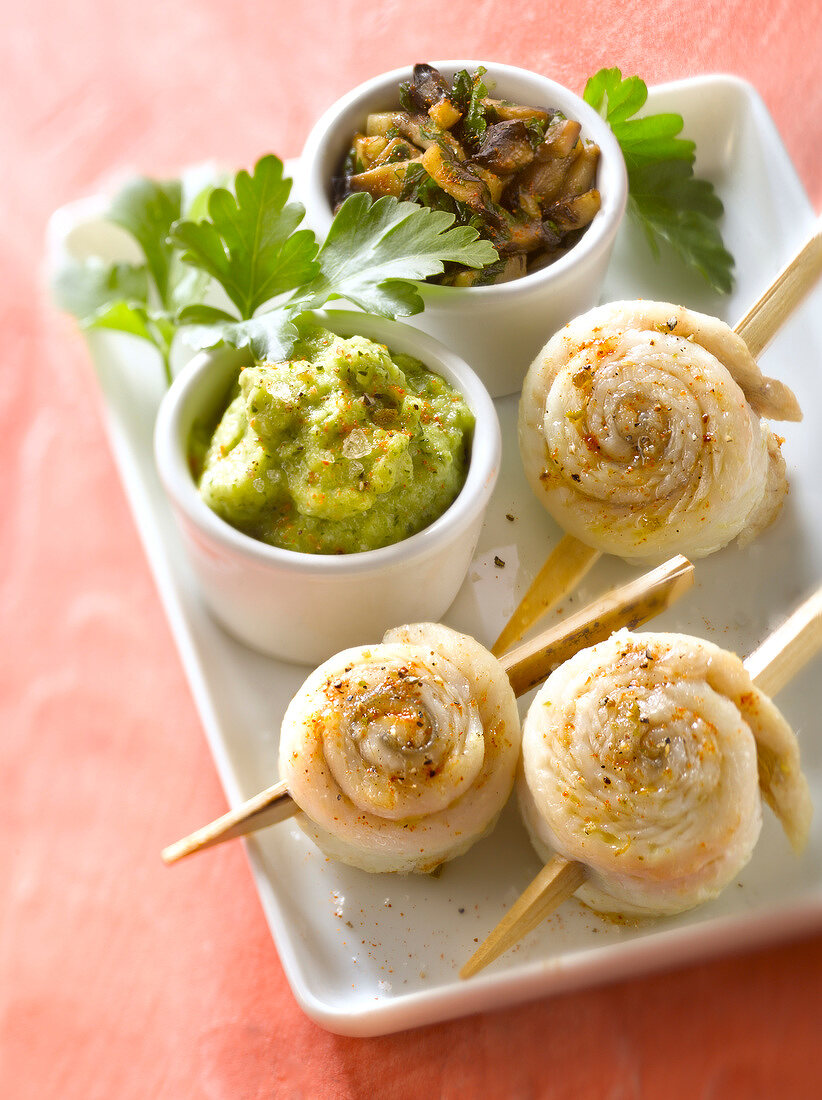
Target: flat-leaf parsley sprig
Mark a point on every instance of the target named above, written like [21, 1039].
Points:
[269, 271]
[142, 297]
[664, 197]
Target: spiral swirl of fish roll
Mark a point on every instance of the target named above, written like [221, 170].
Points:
[401, 755]
[640, 760]
[640, 432]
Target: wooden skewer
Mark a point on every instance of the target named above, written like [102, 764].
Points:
[783, 653]
[627, 606]
[571, 559]
[771, 666]
[269, 807]
[530, 664]
[558, 880]
[766, 316]
[564, 568]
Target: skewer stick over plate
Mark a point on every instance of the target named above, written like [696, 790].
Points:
[627, 606]
[571, 558]
[564, 568]
[269, 807]
[780, 657]
[767, 315]
[527, 666]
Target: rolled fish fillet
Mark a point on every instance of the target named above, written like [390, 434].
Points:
[640, 432]
[643, 759]
[402, 755]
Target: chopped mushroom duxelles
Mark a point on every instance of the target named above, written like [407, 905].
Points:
[522, 176]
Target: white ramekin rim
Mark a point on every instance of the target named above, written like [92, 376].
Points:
[612, 175]
[179, 409]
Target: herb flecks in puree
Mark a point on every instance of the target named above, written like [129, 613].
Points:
[346, 447]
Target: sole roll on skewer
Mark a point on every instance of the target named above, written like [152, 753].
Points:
[645, 761]
[642, 433]
[641, 762]
[404, 753]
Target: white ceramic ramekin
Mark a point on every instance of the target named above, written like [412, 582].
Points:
[497, 329]
[305, 607]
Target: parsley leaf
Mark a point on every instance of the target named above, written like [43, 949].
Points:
[535, 129]
[137, 298]
[269, 335]
[374, 249]
[624, 97]
[137, 320]
[405, 96]
[468, 92]
[249, 244]
[146, 209]
[84, 288]
[664, 197]
[671, 205]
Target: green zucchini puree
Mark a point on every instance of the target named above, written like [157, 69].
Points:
[344, 448]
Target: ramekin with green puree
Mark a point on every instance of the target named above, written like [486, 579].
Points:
[343, 448]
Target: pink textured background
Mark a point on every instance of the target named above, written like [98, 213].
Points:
[119, 979]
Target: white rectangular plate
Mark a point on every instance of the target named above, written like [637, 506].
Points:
[369, 954]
